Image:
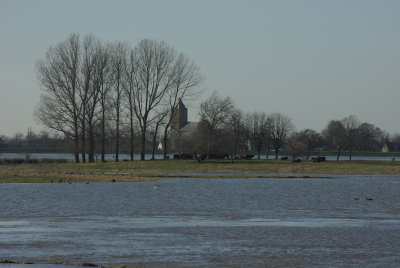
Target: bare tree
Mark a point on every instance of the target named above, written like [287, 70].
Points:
[118, 61]
[268, 138]
[396, 141]
[129, 87]
[88, 93]
[158, 122]
[311, 139]
[258, 130]
[3, 142]
[383, 138]
[351, 127]
[335, 134]
[58, 73]
[371, 138]
[280, 128]
[215, 112]
[238, 130]
[185, 77]
[153, 61]
[295, 145]
[103, 83]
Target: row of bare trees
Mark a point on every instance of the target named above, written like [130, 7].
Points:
[225, 129]
[89, 86]
[351, 135]
[91, 89]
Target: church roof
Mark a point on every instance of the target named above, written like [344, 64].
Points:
[189, 128]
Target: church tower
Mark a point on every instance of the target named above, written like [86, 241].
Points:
[179, 120]
[180, 117]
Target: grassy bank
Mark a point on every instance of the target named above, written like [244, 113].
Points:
[160, 169]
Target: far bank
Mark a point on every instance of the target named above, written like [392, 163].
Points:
[126, 171]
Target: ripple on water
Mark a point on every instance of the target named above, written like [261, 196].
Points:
[197, 222]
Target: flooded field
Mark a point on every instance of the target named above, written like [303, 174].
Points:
[340, 221]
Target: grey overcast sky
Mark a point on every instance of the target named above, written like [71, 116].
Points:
[312, 60]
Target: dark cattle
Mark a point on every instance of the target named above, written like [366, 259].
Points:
[187, 156]
[183, 156]
[318, 159]
[284, 158]
[219, 156]
[248, 156]
[296, 160]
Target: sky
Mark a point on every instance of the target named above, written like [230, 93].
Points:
[312, 60]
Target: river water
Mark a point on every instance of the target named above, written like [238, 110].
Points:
[305, 222]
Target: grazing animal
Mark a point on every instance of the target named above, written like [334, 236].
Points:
[318, 159]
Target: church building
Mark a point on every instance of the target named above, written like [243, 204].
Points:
[181, 128]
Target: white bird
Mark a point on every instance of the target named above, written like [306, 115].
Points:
[156, 186]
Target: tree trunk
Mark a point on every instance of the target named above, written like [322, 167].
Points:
[143, 150]
[91, 144]
[76, 141]
[165, 141]
[338, 153]
[117, 141]
[103, 135]
[76, 154]
[142, 153]
[155, 141]
[209, 144]
[117, 126]
[83, 138]
[132, 135]
[153, 152]
[132, 143]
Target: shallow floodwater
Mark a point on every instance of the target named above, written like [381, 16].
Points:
[313, 222]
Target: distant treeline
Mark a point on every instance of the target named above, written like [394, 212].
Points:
[34, 143]
[28, 160]
[44, 142]
[250, 133]
[225, 129]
